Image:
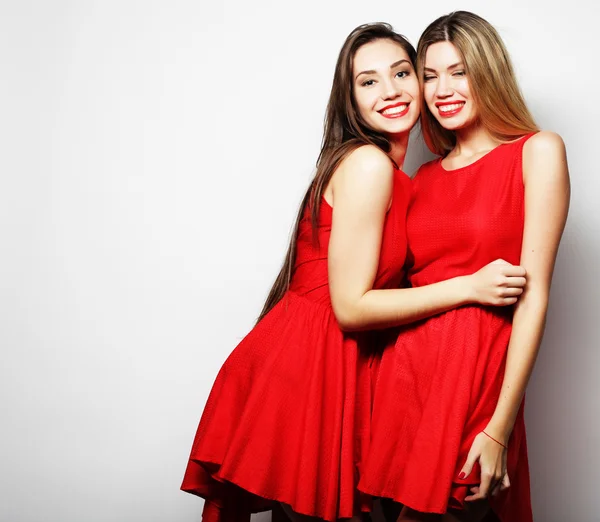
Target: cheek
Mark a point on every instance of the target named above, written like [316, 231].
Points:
[466, 94]
[473, 114]
[414, 89]
[429, 93]
[365, 102]
[464, 89]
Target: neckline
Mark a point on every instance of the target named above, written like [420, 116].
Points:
[519, 139]
[478, 160]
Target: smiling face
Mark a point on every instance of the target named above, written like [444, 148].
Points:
[386, 88]
[446, 87]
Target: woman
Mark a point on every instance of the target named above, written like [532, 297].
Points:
[283, 423]
[452, 388]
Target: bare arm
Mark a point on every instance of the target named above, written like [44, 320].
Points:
[547, 192]
[362, 191]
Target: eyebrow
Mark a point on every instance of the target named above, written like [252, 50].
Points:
[372, 71]
[453, 66]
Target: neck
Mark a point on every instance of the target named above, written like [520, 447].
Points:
[473, 139]
[399, 144]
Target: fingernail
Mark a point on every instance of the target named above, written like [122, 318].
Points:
[462, 475]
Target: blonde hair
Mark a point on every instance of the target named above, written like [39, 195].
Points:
[499, 101]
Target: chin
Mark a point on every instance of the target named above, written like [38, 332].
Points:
[403, 127]
[398, 129]
[464, 122]
[453, 125]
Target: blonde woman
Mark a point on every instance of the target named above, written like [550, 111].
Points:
[448, 435]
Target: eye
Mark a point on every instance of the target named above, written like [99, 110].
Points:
[402, 74]
[459, 73]
[368, 83]
[428, 78]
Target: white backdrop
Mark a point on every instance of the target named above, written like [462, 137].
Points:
[153, 157]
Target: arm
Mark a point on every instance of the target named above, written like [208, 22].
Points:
[547, 191]
[362, 191]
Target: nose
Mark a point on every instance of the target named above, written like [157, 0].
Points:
[391, 90]
[443, 89]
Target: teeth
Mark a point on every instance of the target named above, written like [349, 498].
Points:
[395, 110]
[448, 108]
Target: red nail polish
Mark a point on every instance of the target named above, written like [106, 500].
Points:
[462, 475]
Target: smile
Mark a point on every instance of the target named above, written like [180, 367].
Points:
[395, 111]
[450, 109]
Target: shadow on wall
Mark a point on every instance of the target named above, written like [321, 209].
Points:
[562, 396]
[417, 154]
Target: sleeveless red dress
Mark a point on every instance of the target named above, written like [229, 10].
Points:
[288, 414]
[437, 388]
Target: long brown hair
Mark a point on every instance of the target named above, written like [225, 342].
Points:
[499, 101]
[344, 131]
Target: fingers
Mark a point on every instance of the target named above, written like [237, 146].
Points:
[484, 487]
[501, 485]
[508, 294]
[512, 292]
[509, 269]
[516, 282]
[512, 289]
[468, 467]
[486, 484]
[503, 301]
[514, 271]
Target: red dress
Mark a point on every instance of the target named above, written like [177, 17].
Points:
[438, 387]
[284, 420]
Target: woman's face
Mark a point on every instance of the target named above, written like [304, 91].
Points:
[386, 88]
[446, 87]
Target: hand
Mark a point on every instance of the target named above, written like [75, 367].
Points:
[492, 460]
[498, 283]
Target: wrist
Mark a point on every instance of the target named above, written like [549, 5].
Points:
[466, 290]
[497, 441]
[500, 431]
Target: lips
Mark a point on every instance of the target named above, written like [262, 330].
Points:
[395, 111]
[449, 109]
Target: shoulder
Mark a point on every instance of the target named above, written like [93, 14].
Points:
[544, 156]
[368, 159]
[544, 141]
[365, 166]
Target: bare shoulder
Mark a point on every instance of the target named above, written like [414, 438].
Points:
[369, 156]
[545, 157]
[367, 161]
[544, 142]
[367, 173]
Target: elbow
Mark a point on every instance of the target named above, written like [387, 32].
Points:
[348, 319]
